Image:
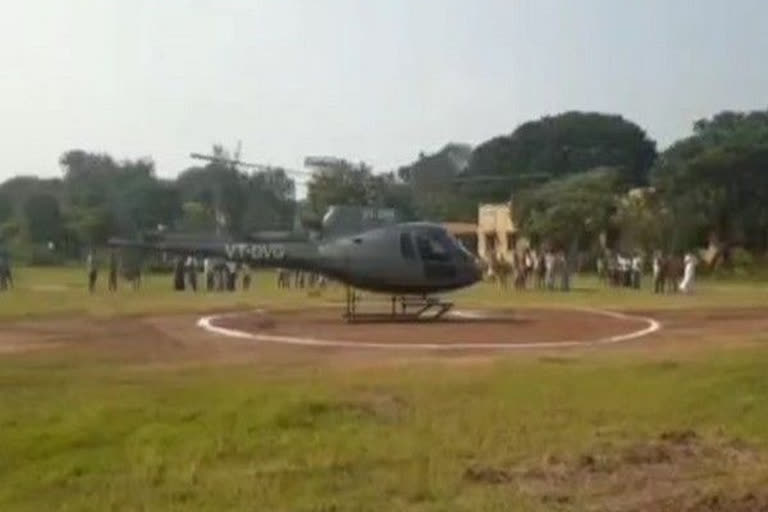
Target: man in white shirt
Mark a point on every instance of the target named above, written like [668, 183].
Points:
[689, 273]
[637, 271]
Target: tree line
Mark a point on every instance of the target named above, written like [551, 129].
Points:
[572, 179]
[50, 220]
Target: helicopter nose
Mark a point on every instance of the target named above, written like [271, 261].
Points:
[474, 270]
[478, 269]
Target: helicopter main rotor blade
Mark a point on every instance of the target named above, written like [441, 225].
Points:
[247, 165]
[502, 179]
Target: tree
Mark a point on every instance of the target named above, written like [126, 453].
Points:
[443, 165]
[240, 202]
[386, 190]
[17, 190]
[569, 211]
[91, 226]
[645, 222]
[220, 187]
[196, 217]
[145, 204]
[43, 218]
[89, 178]
[715, 182]
[343, 183]
[432, 180]
[106, 197]
[6, 208]
[569, 143]
[271, 201]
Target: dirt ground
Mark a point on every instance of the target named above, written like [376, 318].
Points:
[500, 326]
[177, 340]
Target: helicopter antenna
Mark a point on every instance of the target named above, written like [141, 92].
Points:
[238, 150]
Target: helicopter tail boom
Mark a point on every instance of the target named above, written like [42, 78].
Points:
[291, 255]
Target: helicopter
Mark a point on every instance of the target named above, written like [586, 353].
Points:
[364, 248]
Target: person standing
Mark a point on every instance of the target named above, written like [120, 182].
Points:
[625, 268]
[549, 264]
[220, 271]
[540, 270]
[6, 280]
[192, 272]
[299, 280]
[3, 279]
[612, 269]
[600, 268]
[658, 272]
[689, 273]
[528, 262]
[564, 271]
[112, 285]
[8, 274]
[637, 270]
[208, 274]
[178, 275]
[231, 273]
[93, 271]
[283, 278]
[135, 275]
[517, 270]
[246, 278]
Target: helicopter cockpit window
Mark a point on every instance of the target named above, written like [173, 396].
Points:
[433, 248]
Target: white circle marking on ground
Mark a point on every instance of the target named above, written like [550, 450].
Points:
[208, 323]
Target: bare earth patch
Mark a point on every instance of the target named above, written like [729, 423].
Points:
[674, 472]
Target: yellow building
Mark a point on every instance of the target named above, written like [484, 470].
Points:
[496, 231]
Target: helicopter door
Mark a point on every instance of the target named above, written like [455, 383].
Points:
[436, 257]
[407, 250]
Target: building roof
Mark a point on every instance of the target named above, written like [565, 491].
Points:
[460, 228]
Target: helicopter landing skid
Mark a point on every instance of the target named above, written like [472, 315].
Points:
[403, 309]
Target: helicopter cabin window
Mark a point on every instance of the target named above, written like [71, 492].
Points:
[406, 246]
[431, 248]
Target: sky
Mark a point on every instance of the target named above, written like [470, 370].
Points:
[367, 80]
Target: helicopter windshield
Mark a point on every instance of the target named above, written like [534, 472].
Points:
[462, 249]
[434, 246]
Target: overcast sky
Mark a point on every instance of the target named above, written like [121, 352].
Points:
[373, 80]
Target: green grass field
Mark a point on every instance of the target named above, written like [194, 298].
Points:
[47, 291]
[81, 433]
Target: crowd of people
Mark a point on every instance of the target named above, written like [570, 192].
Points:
[621, 270]
[194, 274]
[132, 273]
[537, 269]
[217, 275]
[543, 270]
[552, 269]
[300, 280]
[670, 273]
